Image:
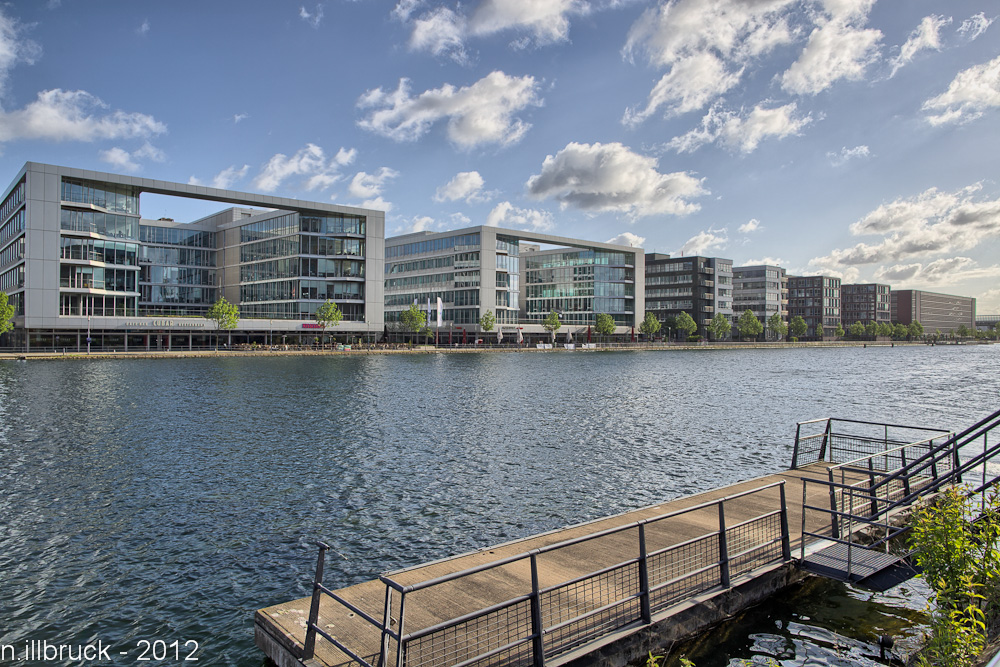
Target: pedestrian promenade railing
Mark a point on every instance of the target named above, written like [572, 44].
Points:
[550, 615]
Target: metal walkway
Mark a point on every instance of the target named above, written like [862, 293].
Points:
[552, 598]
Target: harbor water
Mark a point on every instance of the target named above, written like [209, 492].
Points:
[157, 500]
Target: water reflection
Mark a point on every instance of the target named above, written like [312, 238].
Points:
[171, 498]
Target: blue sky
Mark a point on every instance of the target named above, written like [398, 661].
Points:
[856, 138]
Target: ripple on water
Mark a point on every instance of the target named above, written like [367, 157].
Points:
[169, 499]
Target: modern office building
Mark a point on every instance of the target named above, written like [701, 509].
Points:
[763, 290]
[79, 262]
[816, 299]
[698, 286]
[865, 303]
[519, 276]
[987, 322]
[935, 312]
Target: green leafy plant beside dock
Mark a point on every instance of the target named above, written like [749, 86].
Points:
[960, 560]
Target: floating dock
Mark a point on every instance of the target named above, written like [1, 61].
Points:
[607, 591]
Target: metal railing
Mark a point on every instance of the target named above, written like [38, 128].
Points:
[833, 444]
[868, 491]
[544, 621]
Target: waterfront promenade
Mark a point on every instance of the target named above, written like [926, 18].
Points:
[588, 587]
[431, 349]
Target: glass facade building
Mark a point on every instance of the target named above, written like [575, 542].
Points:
[865, 303]
[763, 290]
[506, 272]
[816, 299]
[79, 262]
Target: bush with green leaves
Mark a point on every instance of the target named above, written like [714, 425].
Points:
[960, 560]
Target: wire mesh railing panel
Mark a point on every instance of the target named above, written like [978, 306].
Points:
[684, 567]
[607, 592]
[754, 544]
[475, 637]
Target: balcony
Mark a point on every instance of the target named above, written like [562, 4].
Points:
[707, 283]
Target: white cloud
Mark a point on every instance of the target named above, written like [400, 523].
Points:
[932, 223]
[702, 242]
[310, 162]
[371, 185]
[847, 154]
[377, 204]
[230, 175]
[59, 115]
[14, 47]
[974, 26]
[945, 271]
[507, 215]
[546, 21]
[467, 185]
[752, 225]
[706, 47]
[144, 28]
[988, 301]
[442, 33]
[239, 118]
[404, 9]
[125, 161]
[460, 219]
[482, 113]
[836, 50]
[313, 18]
[926, 36]
[741, 132]
[610, 177]
[119, 158]
[970, 94]
[690, 84]
[419, 223]
[345, 157]
[628, 239]
[768, 261]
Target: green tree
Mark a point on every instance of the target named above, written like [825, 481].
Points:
[328, 315]
[798, 326]
[840, 330]
[650, 326]
[883, 329]
[748, 325]
[857, 330]
[962, 331]
[900, 331]
[414, 320]
[226, 316]
[6, 314]
[996, 331]
[820, 330]
[670, 322]
[777, 326]
[686, 324]
[871, 330]
[720, 327]
[551, 323]
[487, 321]
[915, 329]
[604, 324]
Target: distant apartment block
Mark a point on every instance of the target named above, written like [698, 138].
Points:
[816, 299]
[865, 303]
[936, 312]
[763, 290]
[698, 286]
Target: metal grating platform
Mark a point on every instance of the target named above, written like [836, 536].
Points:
[832, 562]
